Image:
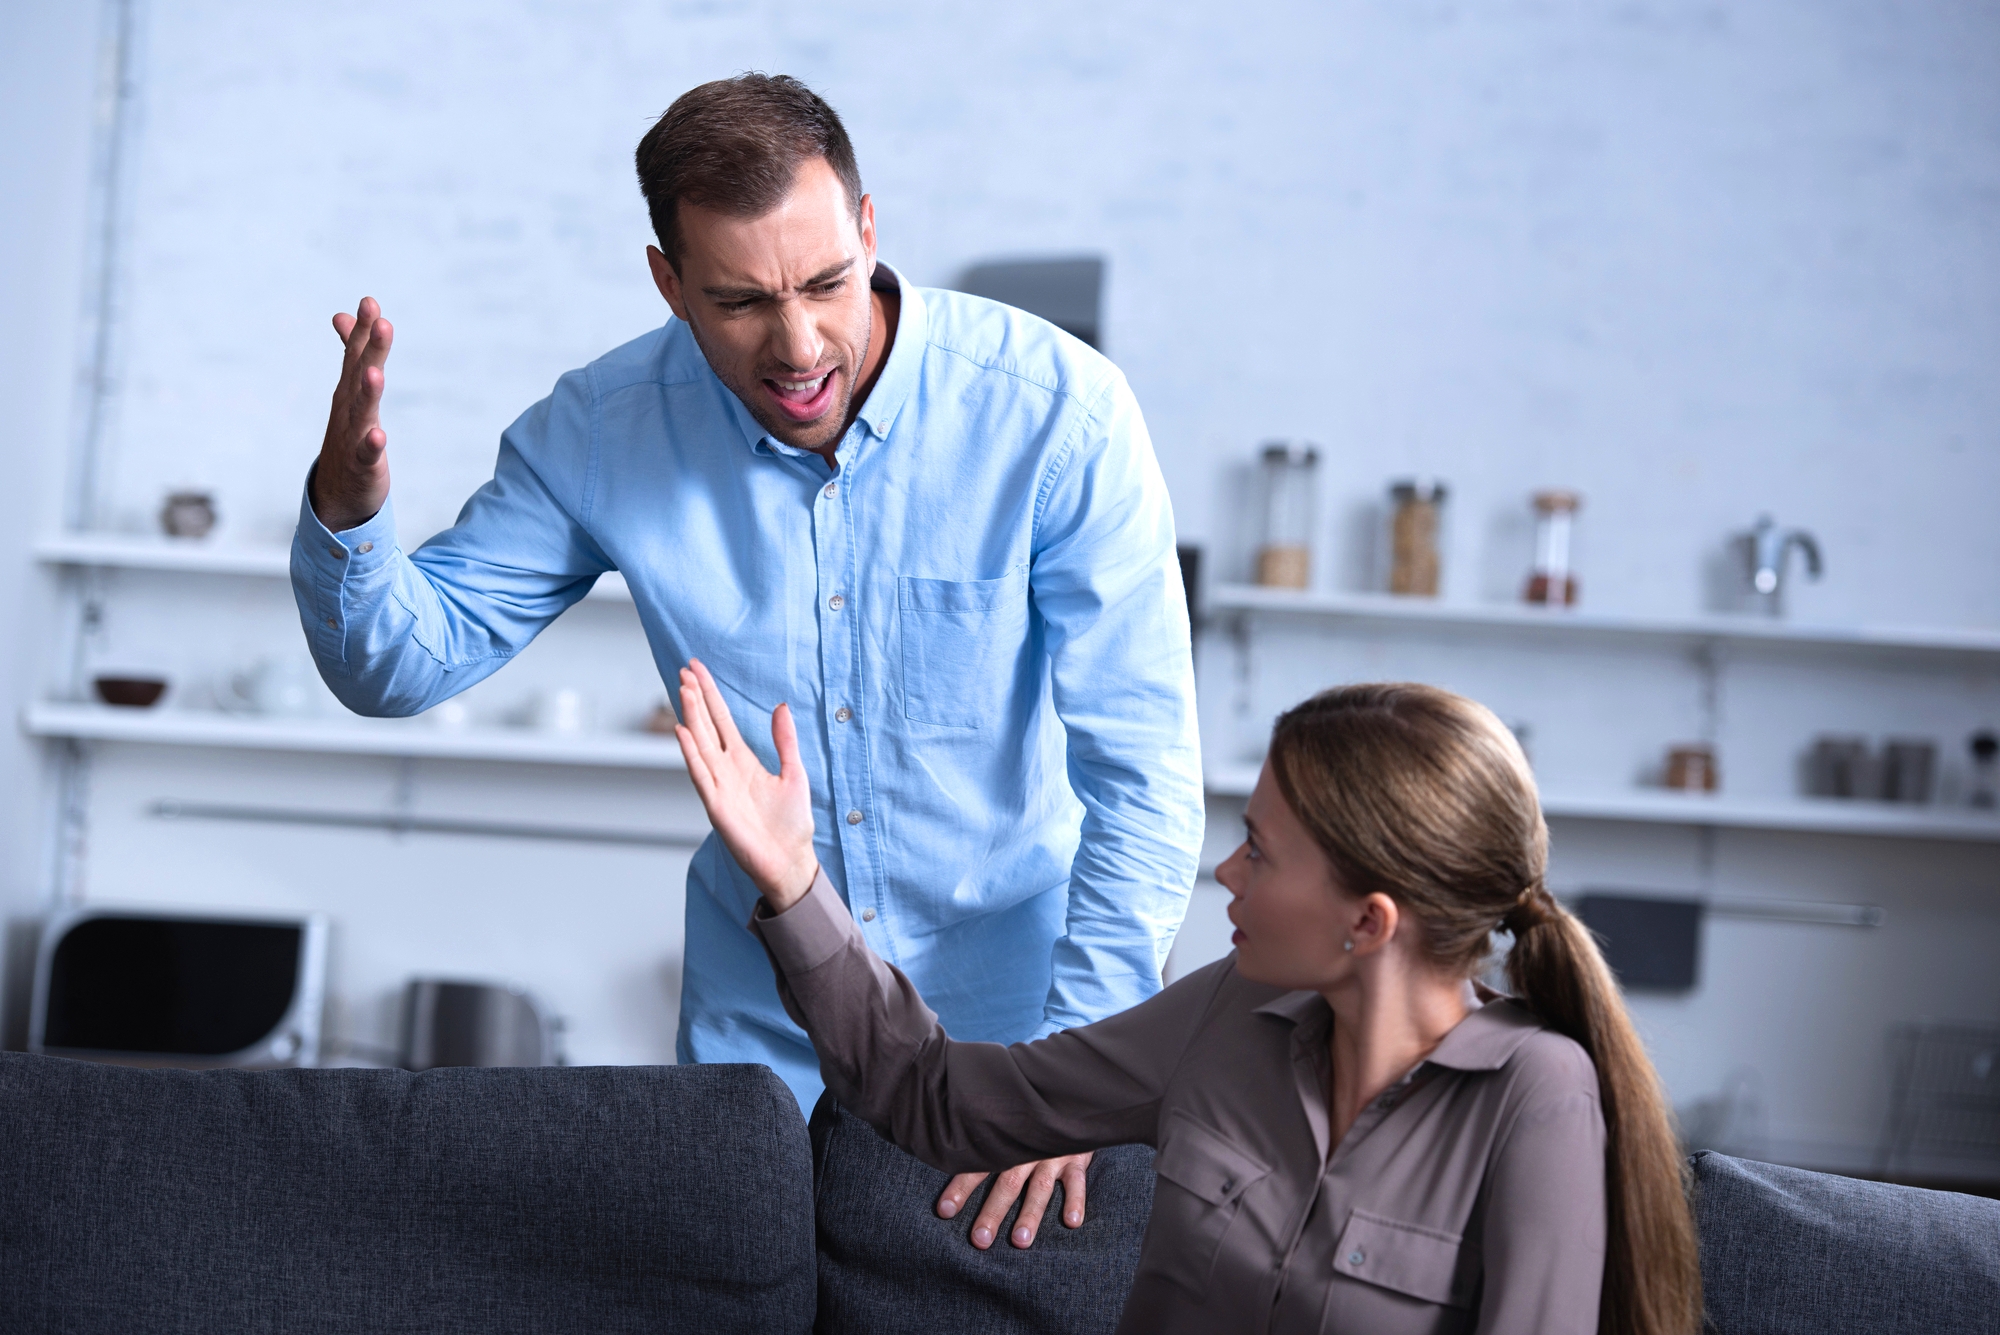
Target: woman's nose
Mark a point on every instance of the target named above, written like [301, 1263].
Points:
[1230, 873]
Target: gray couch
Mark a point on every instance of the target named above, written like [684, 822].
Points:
[695, 1198]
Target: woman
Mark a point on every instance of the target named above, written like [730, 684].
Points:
[1352, 1135]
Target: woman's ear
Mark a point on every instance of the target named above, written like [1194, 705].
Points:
[1375, 925]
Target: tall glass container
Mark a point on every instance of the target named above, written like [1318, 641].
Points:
[1289, 483]
[1414, 526]
[1553, 584]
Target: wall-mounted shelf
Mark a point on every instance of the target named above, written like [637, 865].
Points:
[1662, 807]
[125, 551]
[1382, 607]
[399, 738]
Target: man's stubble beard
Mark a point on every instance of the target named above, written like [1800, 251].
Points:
[750, 396]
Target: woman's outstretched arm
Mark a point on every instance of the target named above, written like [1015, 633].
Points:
[957, 1106]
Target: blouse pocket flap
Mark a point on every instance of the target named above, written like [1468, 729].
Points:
[1408, 1258]
[1198, 1159]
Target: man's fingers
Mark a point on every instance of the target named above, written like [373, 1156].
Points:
[957, 1192]
[1000, 1198]
[1075, 1180]
[343, 325]
[1035, 1199]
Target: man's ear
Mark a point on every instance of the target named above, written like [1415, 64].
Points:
[867, 221]
[669, 282]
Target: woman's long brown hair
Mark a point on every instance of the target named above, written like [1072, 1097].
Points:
[1424, 796]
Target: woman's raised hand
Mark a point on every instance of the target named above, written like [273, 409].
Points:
[764, 819]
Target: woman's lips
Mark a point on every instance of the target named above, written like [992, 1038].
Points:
[804, 398]
[1236, 938]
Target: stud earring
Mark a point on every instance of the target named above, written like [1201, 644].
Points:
[1347, 945]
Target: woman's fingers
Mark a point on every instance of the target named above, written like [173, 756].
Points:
[698, 771]
[785, 736]
[694, 708]
[711, 694]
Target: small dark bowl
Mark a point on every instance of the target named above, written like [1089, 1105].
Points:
[135, 692]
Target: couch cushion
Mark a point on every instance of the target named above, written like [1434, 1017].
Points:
[595, 1199]
[889, 1265]
[1784, 1250]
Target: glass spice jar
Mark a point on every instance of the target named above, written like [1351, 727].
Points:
[1290, 484]
[1413, 537]
[1553, 584]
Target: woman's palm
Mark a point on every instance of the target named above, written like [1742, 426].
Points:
[765, 819]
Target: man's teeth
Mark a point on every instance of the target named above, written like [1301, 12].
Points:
[801, 386]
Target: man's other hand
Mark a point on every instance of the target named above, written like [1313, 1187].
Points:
[351, 483]
[1039, 1179]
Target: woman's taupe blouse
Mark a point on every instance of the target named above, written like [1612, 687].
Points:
[1469, 1197]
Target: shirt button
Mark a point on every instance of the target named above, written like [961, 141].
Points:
[1228, 1184]
[333, 622]
[868, 915]
[854, 817]
[1356, 1257]
[337, 553]
[365, 548]
[836, 602]
[842, 714]
[832, 488]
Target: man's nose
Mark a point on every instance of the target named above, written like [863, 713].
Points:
[795, 339]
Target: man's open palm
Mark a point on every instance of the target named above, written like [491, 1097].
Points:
[351, 483]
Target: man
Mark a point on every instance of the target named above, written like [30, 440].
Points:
[931, 524]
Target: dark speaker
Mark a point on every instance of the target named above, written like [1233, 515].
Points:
[1651, 944]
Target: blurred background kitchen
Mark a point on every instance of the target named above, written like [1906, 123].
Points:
[1628, 367]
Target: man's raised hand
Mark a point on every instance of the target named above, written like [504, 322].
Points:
[352, 481]
[765, 819]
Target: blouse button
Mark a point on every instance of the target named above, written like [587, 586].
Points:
[1356, 1257]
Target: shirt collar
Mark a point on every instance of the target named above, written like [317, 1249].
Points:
[893, 386]
[1483, 1041]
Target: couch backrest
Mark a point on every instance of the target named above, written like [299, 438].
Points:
[591, 1199]
[889, 1266]
[1784, 1250]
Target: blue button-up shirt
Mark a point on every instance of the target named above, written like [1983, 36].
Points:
[977, 619]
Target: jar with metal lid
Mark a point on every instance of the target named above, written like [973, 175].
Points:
[1553, 584]
[1414, 527]
[1289, 480]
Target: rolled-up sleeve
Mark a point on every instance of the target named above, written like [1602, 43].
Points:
[1107, 583]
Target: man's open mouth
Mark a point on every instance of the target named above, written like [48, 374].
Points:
[804, 399]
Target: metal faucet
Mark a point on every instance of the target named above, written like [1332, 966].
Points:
[1769, 545]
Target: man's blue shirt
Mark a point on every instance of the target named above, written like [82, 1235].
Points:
[977, 620]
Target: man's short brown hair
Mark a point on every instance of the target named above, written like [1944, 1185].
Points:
[735, 146]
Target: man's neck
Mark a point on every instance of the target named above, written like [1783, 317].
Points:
[883, 308]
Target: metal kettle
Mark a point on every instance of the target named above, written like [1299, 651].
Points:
[474, 1024]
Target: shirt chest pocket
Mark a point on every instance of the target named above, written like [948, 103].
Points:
[1423, 1263]
[962, 640]
[1202, 1180]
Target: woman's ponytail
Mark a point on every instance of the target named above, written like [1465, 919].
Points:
[1652, 1264]
[1426, 797]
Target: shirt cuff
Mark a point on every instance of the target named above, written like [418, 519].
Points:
[356, 551]
[810, 932]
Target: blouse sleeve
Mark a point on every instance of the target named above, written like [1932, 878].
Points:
[970, 1106]
[1545, 1220]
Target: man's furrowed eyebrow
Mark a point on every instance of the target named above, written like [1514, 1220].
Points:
[825, 275]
